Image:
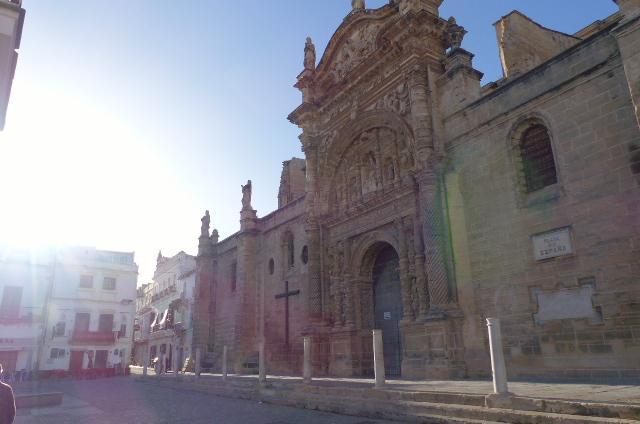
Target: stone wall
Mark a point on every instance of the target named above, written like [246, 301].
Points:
[575, 315]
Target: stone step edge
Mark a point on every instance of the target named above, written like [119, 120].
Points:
[416, 409]
[523, 403]
[395, 410]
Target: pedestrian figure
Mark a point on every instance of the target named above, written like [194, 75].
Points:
[7, 403]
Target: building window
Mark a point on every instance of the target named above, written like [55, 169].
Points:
[536, 155]
[82, 322]
[272, 266]
[11, 299]
[57, 353]
[123, 331]
[233, 272]
[290, 250]
[86, 281]
[59, 329]
[105, 323]
[109, 283]
[304, 257]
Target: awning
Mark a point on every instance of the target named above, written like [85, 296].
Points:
[164, 317]
[155, 320]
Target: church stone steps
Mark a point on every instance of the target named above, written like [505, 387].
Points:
[558, 406]
[390, 405]
[417, 411]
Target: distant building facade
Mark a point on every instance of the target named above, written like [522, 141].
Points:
[67, 309]
[25, 281]
[11, 22]
[90, 311]
[164, 311]
[428, 203]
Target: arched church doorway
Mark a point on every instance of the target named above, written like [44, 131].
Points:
[388, 312]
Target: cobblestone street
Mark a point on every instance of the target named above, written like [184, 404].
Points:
[122, 400]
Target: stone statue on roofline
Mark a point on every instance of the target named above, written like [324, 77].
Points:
[246, 196]
[455, 34]
[206, 222]
[357, 5]
[309, 55]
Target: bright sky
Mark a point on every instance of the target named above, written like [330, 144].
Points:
[129, 118]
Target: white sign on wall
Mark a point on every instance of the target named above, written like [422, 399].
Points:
[552, 244]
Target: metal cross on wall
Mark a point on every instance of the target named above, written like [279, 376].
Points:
[286, 295]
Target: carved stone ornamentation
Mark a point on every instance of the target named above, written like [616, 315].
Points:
[309, 55]
[455, 34]
[397, 101]
[355, 50]
[378, 158]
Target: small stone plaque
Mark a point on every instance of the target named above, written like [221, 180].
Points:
[552, 244]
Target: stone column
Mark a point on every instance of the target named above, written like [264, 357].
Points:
[145, 362]
[497, 357]
[224, 363]
[418, 247]
[434, 236]
[176, 364]
[198, 364]
[430, 213]
[262, 366]
[378, 359]
[405, 279]
[313, 228]
[162, 364]
[349, 301]
[306, 370]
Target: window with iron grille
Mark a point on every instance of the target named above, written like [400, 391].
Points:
[538, 163]
[109, 283]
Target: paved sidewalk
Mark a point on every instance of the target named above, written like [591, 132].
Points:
[584, 392]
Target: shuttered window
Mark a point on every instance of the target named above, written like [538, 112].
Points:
[538, 164]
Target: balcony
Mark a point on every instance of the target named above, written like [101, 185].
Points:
[93, 337]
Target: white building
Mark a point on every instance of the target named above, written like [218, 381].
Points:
[11, 22]
[164, 311]
[25, 282]
[90, 313]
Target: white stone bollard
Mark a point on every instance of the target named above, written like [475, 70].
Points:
[224, 363]
[378, 359]
[306, 367]
[198, 364]
[145, 362]
[262, 366]
[497, 357]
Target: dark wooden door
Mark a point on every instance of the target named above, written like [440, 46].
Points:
[388, 308]
[101, 359]
[75, 362]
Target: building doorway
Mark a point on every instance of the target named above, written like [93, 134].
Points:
[75, 362]
[388, 307]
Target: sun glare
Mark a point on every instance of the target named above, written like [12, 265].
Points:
[74, 174]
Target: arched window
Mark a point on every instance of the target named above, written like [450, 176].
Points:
[289, 249]
[304, 256]
[536, 155]
[233, 272]
[272, 266]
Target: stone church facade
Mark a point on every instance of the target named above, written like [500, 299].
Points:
[427, 203]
